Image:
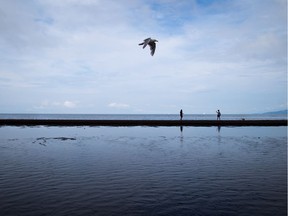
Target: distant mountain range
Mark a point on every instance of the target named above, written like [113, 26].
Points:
[281, 112]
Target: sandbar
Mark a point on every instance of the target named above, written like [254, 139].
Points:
[152, 123]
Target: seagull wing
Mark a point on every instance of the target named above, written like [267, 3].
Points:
[152, 47]
[146, 42]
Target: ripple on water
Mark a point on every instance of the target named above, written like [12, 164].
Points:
[156, 174]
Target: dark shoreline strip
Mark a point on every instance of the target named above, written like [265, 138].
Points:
[152, 123]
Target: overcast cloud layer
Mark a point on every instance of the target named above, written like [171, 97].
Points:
[82, 56]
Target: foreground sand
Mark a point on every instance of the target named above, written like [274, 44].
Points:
[153, 123]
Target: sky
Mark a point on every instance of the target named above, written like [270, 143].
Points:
[82, 56]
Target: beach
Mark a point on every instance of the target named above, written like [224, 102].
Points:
[140, 170]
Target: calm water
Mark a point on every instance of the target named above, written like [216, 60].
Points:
[143, 171]
[143, 117]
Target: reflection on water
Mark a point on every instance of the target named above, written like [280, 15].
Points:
[143, 171]
[218, 129]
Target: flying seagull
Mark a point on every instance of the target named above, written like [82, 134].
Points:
[151, 43]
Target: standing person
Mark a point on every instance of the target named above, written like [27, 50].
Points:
[218, 114]
[181, 114]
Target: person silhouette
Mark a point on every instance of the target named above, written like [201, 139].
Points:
[181, 114]
[218, 114]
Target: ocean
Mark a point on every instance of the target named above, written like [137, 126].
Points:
[145, 116]
[142, 170]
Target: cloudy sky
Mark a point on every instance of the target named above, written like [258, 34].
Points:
[82, 56]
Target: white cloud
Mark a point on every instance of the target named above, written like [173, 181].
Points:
[118, 105]
[69, 104]
[46, 104]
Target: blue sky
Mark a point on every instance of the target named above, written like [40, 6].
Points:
[82, 56]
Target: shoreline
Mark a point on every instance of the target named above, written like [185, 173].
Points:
[151, 123]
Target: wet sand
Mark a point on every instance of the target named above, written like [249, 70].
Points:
[152, 123]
